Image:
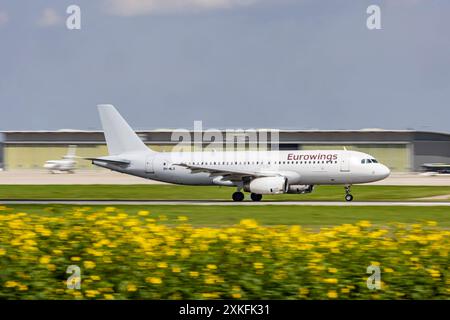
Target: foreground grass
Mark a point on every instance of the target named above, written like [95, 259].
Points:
[128, 253]
[314, 216]
[173, 192]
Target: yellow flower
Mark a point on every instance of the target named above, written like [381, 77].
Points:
[162, 265]
[331, 280]
[51, 267]
[92, 293]
[176, 269]
[388, 270]
[303, 291]
[108, 296]
[332, 294]
[194, 274]
[143, 213]
[211, 266]
[89, 264]
[2, 252]
[434, 273]
[131, 287]
[364, 223]
[44, 260]
[208, 295]
[153, 280]
[75, 258]
[258, 265]
[182, 218]
[185, 252]
[11, 284]
[236, 295]
[332, 270]
[95, 278]
[249, 223]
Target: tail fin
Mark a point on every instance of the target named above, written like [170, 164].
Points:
[120, 138]
[71, 152]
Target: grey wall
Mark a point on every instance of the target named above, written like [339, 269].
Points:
[431, 152]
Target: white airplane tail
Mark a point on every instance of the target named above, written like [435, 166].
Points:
[71, 152]
[120, 138]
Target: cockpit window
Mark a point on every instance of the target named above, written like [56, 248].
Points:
[363, 161]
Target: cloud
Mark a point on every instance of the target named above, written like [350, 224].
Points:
[143, 7]
[49, 18]
[4, 18]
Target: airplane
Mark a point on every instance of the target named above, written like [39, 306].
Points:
[257, 172]
[66, 164]
[436, 168]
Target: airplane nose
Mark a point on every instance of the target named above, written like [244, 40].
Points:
[384, 171]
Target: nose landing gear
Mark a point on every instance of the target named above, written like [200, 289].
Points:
[348, 196]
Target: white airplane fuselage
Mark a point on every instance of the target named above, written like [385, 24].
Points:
[60, 165]
[327, 167]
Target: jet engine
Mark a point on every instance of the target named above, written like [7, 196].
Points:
[300, 188]
[267, 185]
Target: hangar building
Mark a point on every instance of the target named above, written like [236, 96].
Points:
[401, 150]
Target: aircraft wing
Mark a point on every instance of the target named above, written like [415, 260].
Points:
[231, 175]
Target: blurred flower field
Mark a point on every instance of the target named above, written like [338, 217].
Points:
[129, 256]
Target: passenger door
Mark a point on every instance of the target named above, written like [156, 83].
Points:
[344, 162]
[149, 165]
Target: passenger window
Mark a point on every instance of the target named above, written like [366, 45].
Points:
[363, 161]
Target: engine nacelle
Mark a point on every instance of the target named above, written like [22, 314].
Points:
[300, 188]
[267, 185]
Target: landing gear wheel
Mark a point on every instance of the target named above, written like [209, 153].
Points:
[348, 197]
[256, 197]
[238, 196]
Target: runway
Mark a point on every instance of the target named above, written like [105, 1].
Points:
[229, 203]
[41, 177]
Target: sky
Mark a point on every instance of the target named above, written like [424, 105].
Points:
[288, 64]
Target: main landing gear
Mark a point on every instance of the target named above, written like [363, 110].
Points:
[256, 197]
[239, 196]
[348, 196]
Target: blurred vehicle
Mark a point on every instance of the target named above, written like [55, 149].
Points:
[257, 172]
[66, 164]
[436, 168]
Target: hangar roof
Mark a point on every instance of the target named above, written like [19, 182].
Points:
[163, 136]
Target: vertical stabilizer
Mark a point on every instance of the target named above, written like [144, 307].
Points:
[71, 152]
[120, 138]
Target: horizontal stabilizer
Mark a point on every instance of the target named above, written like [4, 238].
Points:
[119, 162]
